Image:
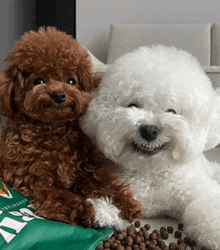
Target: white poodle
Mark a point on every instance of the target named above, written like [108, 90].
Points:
[154, 114]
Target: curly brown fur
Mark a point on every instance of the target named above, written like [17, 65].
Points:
[44, 154]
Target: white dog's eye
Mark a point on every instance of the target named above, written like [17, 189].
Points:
[38, 81]
[171, 111]
[133, 105]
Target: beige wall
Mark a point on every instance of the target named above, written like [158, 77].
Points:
[94, 17]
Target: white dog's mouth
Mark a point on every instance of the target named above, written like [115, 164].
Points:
[148, 150]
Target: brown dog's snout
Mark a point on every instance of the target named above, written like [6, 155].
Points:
[148, 132]
[59, 97]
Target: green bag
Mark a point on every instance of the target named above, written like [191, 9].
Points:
[21, 229]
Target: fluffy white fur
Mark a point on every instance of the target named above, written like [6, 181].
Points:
[166, 88]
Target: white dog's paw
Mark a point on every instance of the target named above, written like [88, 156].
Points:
[107, 214]
[201, 219]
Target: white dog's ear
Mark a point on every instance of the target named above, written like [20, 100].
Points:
[89, 120]
[214, 128]
[98, 67]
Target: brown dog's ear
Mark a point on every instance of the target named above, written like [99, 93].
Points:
[88, 80]
[85, 77]
[6, 96]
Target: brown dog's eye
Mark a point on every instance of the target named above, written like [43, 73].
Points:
[38, 81]
[171, 111]
[71, 81]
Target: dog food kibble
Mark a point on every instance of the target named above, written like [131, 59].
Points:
[119, 236]
[182, 246]
[179, 241]
[136, 237]
[146, 236]
[151, 245]
[129, 241]
[154, 242]
[177, 234]
[100, 246]
[137, 224]
[187, 240]
[192, 243]
[124, 234]
[140, 233]
[119, 248]
[165, 235]
[153, 236]
[135, 247]
[143, 229]
[180, 226]
[163, 229]
[107, 244]
[170, 230]
[159, 240]
[147, 226]
[131, 230]
[142, 248]
[173, 246]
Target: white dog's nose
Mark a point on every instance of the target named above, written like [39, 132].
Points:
[148, 132]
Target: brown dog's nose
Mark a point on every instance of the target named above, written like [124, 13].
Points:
[148, 132]
[59, 97]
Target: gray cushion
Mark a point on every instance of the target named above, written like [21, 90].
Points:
[215, 44]
[194, 38]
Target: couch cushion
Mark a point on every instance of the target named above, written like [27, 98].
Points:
[215, 44]
[194, 38]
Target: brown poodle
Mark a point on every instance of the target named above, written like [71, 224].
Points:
[44, 154]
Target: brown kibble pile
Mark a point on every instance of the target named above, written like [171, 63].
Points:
[134, 239]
